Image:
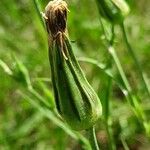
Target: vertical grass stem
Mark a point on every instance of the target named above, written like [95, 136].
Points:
[38, 9]
[134, 57]
[92, 138]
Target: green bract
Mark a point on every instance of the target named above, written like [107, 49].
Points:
[113, 10]
[76, 101]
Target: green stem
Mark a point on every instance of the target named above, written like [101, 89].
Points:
[125, 146]
[117, 62]
[131, 99]
[92, 138]
[109, 81]
[133, 55]
[108, 118]
[109, 85]
[119, 67]
[38, 9]
[107, 97]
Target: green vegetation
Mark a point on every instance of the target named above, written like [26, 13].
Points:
[115, 59]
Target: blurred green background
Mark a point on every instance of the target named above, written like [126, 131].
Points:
[22, 125]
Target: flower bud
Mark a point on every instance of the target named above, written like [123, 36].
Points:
[113, 10]
[76, 101]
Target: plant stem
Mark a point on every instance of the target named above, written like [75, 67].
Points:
[38, 9]
[92, 138]
[131, 99]
[108, 119]
[113, 54]
[134, 57]
[125, 146]
[119, 67]
[108, 90]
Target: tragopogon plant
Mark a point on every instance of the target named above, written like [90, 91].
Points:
[76, 101]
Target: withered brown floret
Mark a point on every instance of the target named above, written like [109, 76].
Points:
[56, 17]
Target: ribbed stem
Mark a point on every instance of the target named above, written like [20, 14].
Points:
[38, 9]
[108, 118]
[134, 57]
[128, 92]
[109, 43]
[92, 138]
